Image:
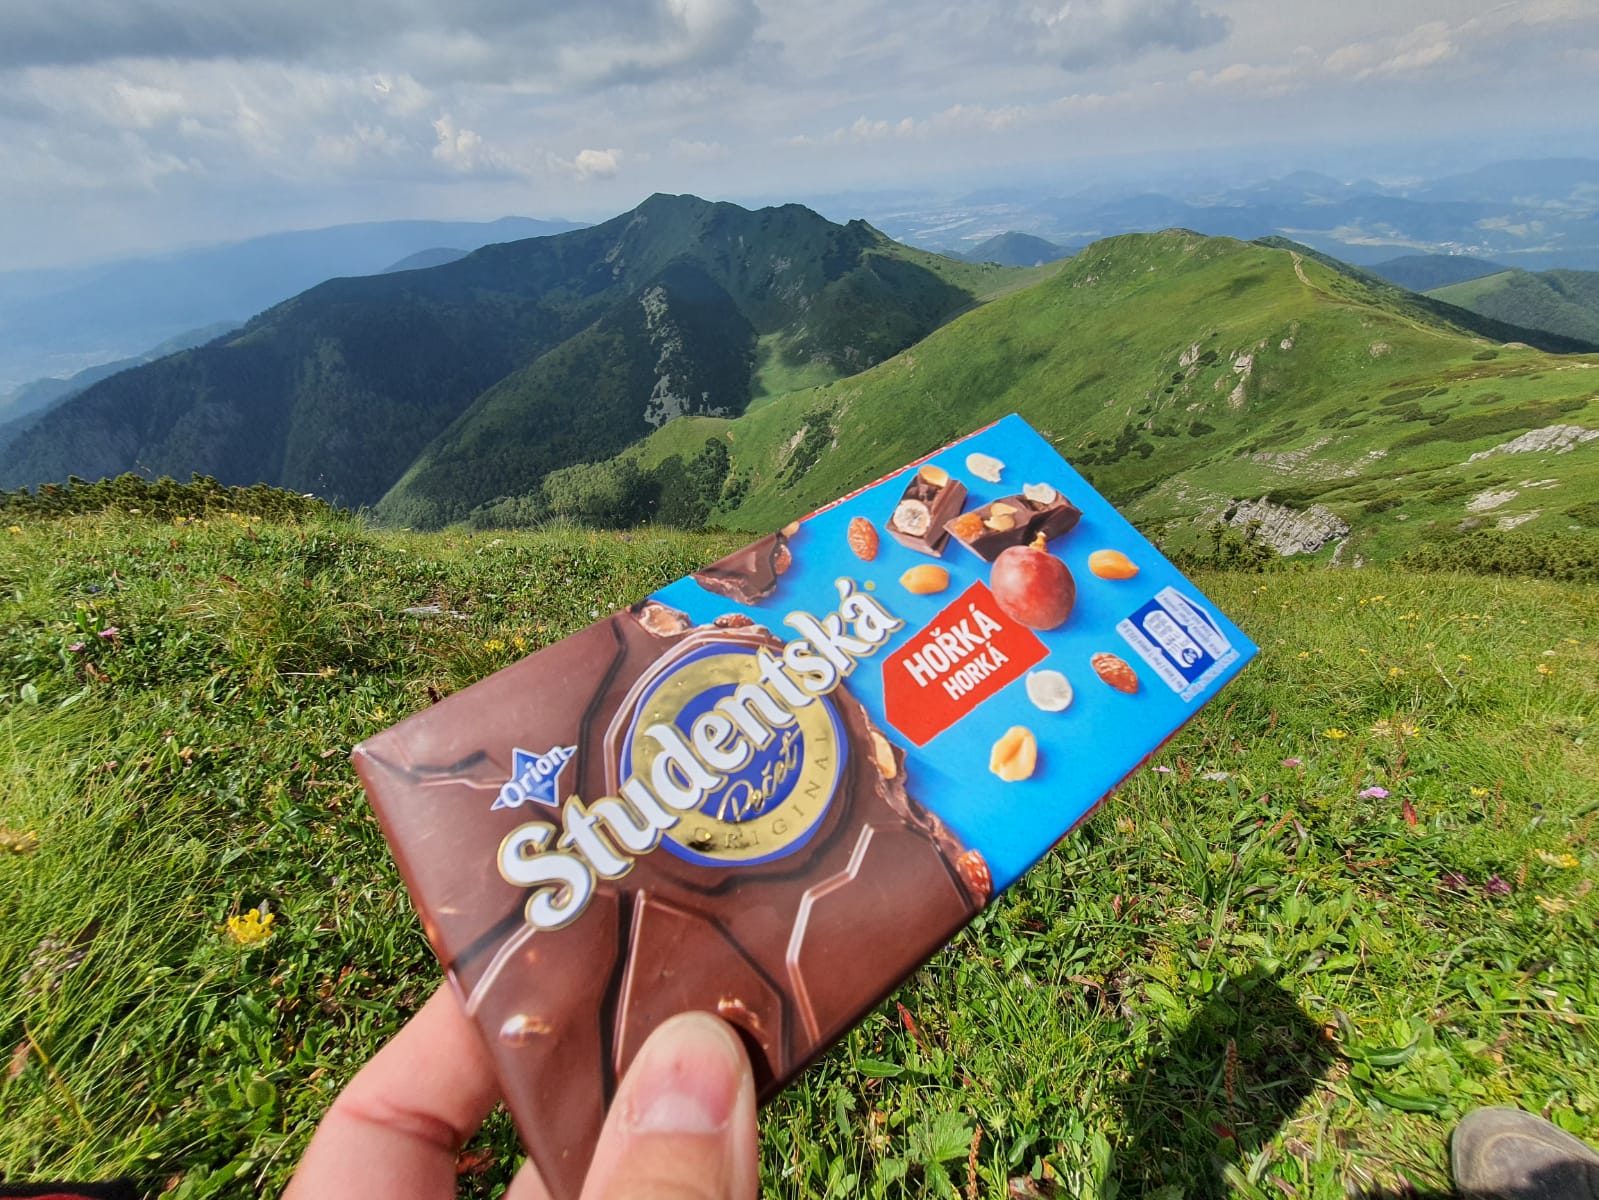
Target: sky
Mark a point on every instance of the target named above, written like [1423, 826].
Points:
[128, 126]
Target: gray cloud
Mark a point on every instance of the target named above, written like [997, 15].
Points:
[556, 43]
[134, 124]
[1081, 34]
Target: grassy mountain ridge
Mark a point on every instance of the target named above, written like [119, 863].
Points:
[1428, 307]
[341, 389]
[54, 322]
[1183, 374]
[1563, 302]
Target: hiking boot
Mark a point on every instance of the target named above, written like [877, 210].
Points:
[1508, 1154]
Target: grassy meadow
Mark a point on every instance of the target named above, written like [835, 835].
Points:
[1353, 899]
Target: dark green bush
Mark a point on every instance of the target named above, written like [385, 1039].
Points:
[162, 498]
[1569, 557]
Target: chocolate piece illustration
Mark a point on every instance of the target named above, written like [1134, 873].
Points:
[930, 499]
[812, 856]
[750, 575]
[1014, 521]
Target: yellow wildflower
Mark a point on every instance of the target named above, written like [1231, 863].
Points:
[1564, 861]
[1545, 669]
[1304, 654]
[494, 644]
[251, 928]
[1463, 657]
[1395, 672]
[13, 528]
[1335, 734]
[1479, 793]
[1363, 650]
[1553, 905]
[18, 841]
[519, 642]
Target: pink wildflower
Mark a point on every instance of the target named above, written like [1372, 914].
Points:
[75, 648]
[1374, 793]
[110, 631]
[1292, 762]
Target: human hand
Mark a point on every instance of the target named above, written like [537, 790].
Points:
[682, 1125]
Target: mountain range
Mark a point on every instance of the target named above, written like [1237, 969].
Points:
[1197, 380]
[56, 322]
[1530, 214]
[691, 362]
[22, 407]
[428, 392]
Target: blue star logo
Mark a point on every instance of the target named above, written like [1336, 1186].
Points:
[535, 777]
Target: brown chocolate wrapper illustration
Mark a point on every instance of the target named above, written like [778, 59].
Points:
[709, 923]
[701, 803]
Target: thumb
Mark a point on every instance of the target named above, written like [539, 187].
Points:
[682, 1126]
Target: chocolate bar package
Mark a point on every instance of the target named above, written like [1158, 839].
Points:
[772, 789]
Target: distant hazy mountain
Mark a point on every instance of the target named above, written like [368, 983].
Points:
[422, 259]
[1542, 181]
[449, 387]
[1017, 250]
[1423, 272]
[58, 322]
[1563, 302]
[22, 408]
[1535, 215]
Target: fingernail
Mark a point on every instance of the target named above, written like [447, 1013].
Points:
[686, 1078]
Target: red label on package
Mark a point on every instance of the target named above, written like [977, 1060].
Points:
[964, 655]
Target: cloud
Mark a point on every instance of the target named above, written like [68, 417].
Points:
[1423, 48]
[697, 152]
[967, 119]
[1081, 34]
[588, 164]
[551, 43]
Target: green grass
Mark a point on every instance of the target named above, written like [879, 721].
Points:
[774, 377]
[1239, 975]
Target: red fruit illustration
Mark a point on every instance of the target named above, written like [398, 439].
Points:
[1032, 586]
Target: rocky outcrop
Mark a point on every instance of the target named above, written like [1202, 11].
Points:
[1556, 439]
[1287, 530]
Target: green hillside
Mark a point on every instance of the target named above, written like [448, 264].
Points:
[1564, 302]
[747, 303]
[1183, 374]
[474, 378]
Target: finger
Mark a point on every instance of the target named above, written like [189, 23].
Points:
[526, 1184]
[682, 1126]
[397, 1127]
